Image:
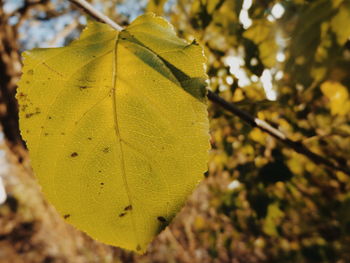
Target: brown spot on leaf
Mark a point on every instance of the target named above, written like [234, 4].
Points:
[122, 214]
[21, 95]
[106, 150]
[37, 111]
[66, 216]
[128, 208]
[74, 154]
[30, 72]
[84, 87]
[29, 115]
[161, 219]
[138, 247]
[24, 107]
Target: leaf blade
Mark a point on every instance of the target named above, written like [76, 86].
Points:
[131, 143]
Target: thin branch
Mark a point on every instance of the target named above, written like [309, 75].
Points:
[298, 147]
[93, 12]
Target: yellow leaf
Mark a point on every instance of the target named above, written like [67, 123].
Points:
[272, 220]
[258, 136]
[263, 33]
[116, 126]
[338, 97]
[156, 6]
[340, 23]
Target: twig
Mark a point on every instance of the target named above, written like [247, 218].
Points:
[252, 121]
[299, 147]
[93, 12]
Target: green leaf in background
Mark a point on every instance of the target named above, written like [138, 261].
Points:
[117, 128]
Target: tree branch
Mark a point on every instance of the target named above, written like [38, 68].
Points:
[299, 147]
[245, 116]
[93, 12]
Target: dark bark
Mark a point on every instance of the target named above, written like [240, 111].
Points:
[10, 70]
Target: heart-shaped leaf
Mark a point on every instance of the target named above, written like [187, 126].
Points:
[117, 129]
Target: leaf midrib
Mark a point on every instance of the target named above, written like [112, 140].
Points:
[117, 132]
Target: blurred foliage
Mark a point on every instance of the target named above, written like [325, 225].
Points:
[285, 206]
[286, 62]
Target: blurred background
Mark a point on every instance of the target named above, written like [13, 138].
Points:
[286, 62]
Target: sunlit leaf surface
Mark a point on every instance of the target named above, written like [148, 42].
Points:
[116, 126]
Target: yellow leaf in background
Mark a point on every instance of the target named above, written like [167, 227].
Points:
[340, 23]
[272, 220]
[212, 5]
[117, 129]
[258, 136]
[156, 6]
[318, 73]
[209, 5]
[238, 95]
[338, 97]
[263, 34]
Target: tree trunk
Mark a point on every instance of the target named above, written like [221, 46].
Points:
[10, 71]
